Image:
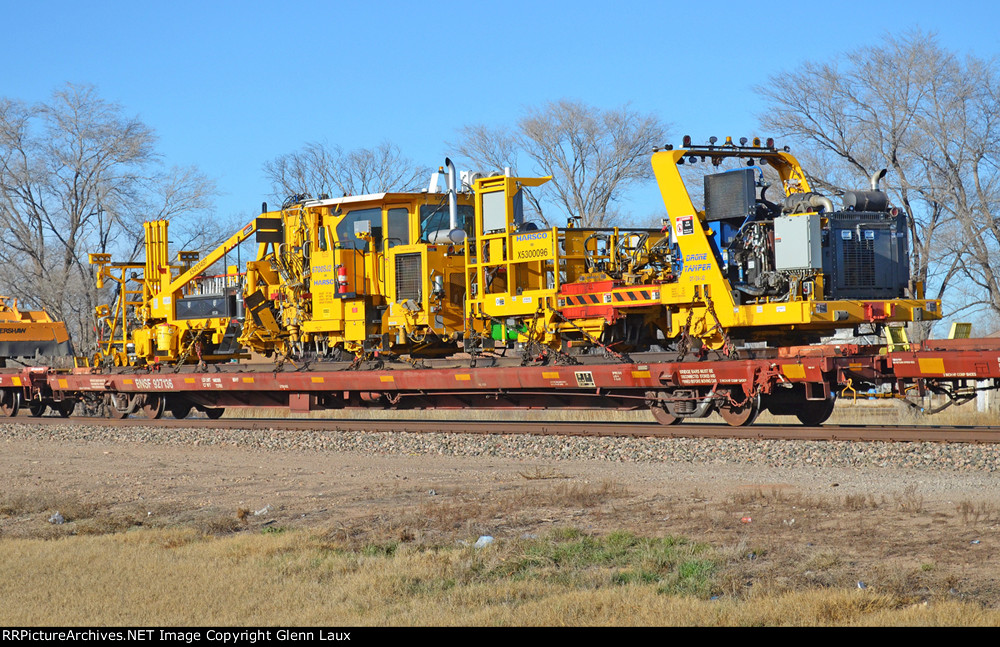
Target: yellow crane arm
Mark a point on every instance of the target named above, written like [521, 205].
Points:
[177, 284]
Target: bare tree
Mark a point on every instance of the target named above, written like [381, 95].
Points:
[183, 195]
[593, 156]
[319, 169]
[77, 175]
[931, 118]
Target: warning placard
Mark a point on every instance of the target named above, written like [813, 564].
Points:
[684, 225]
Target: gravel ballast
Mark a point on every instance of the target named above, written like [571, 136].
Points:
[770, 453]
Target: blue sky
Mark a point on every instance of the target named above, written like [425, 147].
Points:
[230, 85]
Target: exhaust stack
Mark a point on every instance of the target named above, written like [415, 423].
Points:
[453, 235]
[452, 194]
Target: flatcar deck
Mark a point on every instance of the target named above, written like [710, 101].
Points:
[780, 380]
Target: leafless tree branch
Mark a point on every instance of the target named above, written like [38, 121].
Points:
[319, 169]
[78, 175]
[932, 119]
[594, 156]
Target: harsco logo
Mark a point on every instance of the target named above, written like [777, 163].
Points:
[538, 235]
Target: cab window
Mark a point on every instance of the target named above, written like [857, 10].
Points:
[434, 217]
[345, 228]
[397, 222]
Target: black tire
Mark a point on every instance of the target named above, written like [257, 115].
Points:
[813, 413]
[66, 408]
[180, 411]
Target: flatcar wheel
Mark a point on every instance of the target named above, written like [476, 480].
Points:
[180, 411]
[741, 415]
[215, 413]
[9, 402]
[36, 408]
[813, 413]
[65, 408]
[119, 406]
[663, 416]
[153, 406]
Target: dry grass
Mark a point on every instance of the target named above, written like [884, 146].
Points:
[402, 554]
[979, 512]
[539, 474]
[183, 577]
[889, 412]
[910, 500]
[408, 559]
[69, 506]
[455, 513]
[36, 513]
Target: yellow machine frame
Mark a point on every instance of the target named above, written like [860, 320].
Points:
[144, 327]
[703, 296]
[553, 285]
[330, 288]
[358, 276]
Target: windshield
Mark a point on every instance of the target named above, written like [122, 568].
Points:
[434, 217]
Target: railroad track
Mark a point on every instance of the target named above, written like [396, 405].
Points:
[858, 433]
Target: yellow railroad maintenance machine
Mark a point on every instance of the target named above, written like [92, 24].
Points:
[743, 269]
[335, 278]
[432, 274]
[359, 275]
[161, 313]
